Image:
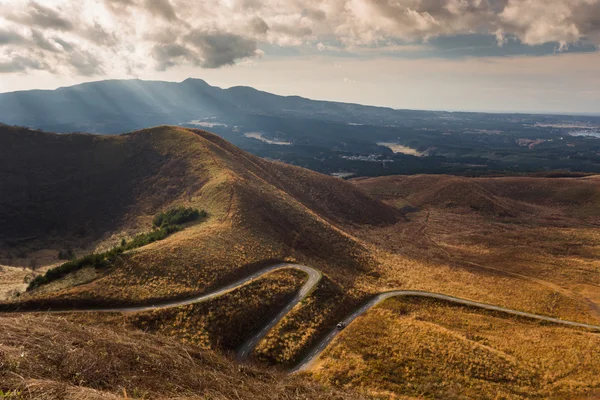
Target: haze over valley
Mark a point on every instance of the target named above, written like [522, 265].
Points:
[323, 136]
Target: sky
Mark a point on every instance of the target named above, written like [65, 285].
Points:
[481, 55]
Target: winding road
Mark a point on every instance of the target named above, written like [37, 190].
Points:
[314, 276]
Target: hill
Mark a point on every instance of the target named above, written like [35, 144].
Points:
[536, 197]
[329, 137]
[52, 358]
[520, 243]
[112, 186]
[544, 230]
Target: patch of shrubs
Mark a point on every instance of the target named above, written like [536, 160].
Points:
[164, 223]
[97, 260]
[177, 216]
[150, 237]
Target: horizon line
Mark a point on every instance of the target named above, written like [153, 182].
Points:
[483, 111]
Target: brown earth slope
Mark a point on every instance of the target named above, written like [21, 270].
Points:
[543, 230]
[105, 186]
[52, 358]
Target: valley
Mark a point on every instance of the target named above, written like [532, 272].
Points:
[317, 134]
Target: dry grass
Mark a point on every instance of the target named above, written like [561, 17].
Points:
[52, 358]
[12, 281]
[258, 211]
[425, 348]
[287, 341]
[223, 323]
[524, 243]
[527, 243]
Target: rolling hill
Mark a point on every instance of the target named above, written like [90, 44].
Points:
[103, 188]
[64, 360]
[528, 244]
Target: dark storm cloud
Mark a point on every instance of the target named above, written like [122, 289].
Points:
[43, 17]
[219, 48]
[8, 37]
[161, 8]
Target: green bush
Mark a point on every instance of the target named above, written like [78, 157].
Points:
[166, 222]
[96, 260]
[176, 216]
[150, 237]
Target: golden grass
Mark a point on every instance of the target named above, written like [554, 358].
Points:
[426, 348]
[223, 323]
[289, 339]
[530, 248]
[523, 243]
[52, 358]
[12, 281]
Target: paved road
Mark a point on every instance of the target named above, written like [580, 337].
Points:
[319, 347]
[314, 276]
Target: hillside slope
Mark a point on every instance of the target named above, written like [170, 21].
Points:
[52, 358]
[543, 230]
[493, 197]
[501, 241]
[86, 190]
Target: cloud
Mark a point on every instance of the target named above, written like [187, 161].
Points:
[170, 55]
[161, 8]
[41, 16]
[259, 26]
[218, 48]
[41, 42]
[133, 36]
[20, 64]
[85, 63]
[99, 35]
[7, 37]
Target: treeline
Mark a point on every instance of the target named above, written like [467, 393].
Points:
[177, 216]
[164, 224]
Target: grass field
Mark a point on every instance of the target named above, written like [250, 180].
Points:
[530, 244]
[51, 358]
[222, 323]
[425, 348]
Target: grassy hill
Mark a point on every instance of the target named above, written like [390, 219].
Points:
[52, 358]
[530, 244]
[430, 349]
[82, 190]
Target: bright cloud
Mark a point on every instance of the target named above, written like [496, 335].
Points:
[104, 37]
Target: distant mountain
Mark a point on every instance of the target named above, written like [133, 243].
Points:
[328, 137]
[116, 106]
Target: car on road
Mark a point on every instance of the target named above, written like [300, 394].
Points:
[340, 326]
